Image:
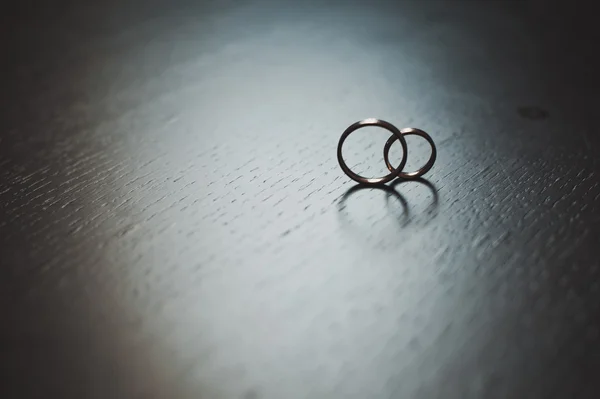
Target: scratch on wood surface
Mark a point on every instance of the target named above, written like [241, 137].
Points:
[507, 175]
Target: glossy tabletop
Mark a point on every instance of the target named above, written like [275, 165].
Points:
[174, 222]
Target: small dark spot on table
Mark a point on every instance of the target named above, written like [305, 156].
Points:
[531, 112]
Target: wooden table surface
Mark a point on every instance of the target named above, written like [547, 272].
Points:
[174, 222]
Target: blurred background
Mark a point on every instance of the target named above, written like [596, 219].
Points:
[174, 222]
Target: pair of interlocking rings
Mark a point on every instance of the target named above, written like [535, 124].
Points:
[396, 135]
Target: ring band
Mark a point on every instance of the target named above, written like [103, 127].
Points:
[420, 172]
[396, 135]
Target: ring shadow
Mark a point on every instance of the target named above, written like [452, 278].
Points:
[432, 209]
[392, 192]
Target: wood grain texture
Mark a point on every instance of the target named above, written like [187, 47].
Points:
[174, 223]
